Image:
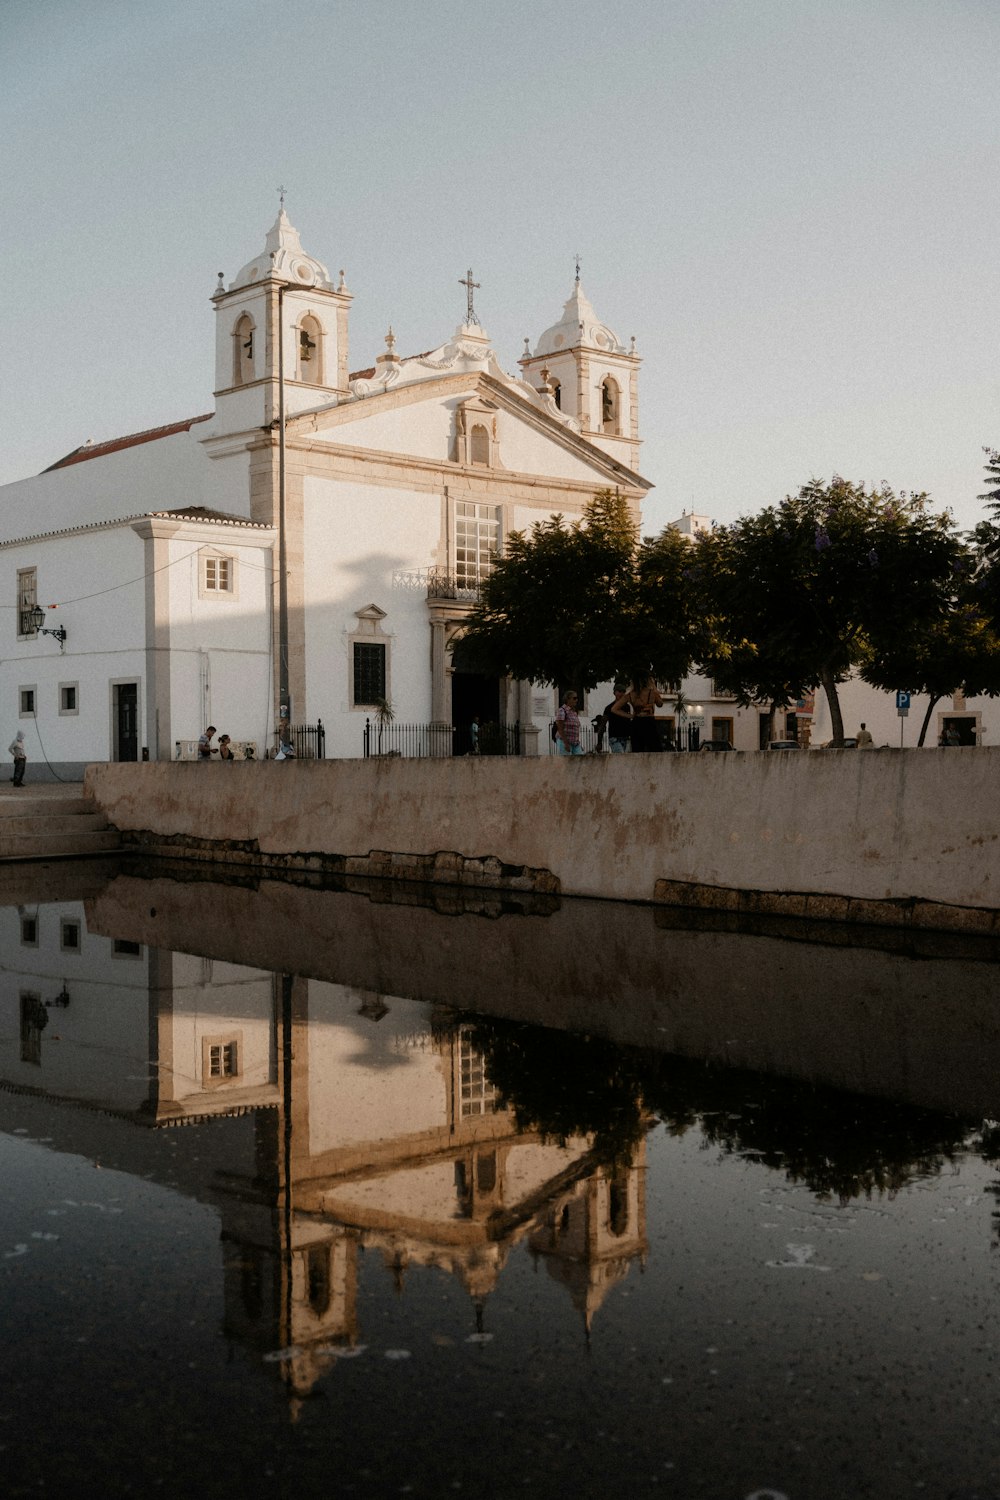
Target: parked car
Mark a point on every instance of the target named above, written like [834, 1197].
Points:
[784, 745]
[715, 745]
[850, 743]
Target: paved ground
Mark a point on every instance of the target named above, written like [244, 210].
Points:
[39, 790]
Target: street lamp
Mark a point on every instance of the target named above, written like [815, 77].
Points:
[36, 616]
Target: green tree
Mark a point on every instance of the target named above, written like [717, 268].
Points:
[793, 597]
[581, 602]
[957, 648]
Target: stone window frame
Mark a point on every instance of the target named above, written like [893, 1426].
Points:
[226, 1050]
[470, 414]
[368, 632]
[27, 712]
[497, 518]
[207, 555]
[244, 325]
[723, 719]
[27, 598]
[129, 952]
[66, 925]
[63, 689]
[29, 942]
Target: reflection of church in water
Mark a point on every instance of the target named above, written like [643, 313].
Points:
[349, 1122]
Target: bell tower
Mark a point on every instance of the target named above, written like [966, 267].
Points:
[281, 305]
[592, 376]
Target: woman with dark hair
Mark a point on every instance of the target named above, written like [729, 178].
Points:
[645, 698]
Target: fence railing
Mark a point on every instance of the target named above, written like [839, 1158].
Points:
[440, 741]
[307, 740]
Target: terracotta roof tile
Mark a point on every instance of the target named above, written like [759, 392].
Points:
[115, 445]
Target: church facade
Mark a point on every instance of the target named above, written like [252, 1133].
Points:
[380, 496]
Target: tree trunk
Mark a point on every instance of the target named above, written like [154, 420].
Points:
[836, 717]
[932, 704]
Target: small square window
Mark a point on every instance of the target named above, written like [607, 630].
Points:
[26, 698]
[69, 936]
[123, 948]
[218, 574]
[29, 932]
[221, 1059]
[69, 697]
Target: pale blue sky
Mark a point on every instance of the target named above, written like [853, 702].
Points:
[792, 204]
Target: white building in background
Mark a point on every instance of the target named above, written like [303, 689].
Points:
[157, 553]
[714, 714]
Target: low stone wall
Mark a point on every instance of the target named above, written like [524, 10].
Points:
[902, 836]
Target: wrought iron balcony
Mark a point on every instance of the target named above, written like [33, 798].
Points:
[437, 583]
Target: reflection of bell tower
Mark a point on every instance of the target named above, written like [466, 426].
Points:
[591, 1234]
[592, 376]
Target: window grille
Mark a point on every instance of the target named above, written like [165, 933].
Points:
[219, 574]
[369, 672]
[478, 1096]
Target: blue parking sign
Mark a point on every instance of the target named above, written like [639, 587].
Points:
[902, 701]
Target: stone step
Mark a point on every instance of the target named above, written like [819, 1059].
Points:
[39, 845]
[88, 822]
[19, 803]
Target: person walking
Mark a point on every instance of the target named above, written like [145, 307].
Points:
[205, 747]
[17, 750]
[225, 748]
[568, 726]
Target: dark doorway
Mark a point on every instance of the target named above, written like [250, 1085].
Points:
[472, 694]
[126, 712]
[963, 724]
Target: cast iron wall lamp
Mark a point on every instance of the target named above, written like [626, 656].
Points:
[37, 615]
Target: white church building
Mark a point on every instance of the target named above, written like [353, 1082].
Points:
[154, 558]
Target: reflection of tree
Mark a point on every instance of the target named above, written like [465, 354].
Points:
[840, 1145]
[988, 1145]
[564, 1085]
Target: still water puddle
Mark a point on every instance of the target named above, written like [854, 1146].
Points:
[378, 1192]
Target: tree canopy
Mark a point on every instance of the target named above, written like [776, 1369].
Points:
[801, 594]
[583, 602]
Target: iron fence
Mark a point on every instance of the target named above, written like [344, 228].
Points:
[307, 740]
[440, 741]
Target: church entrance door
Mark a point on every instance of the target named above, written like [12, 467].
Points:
[472, 695]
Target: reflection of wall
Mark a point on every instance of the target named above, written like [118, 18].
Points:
[925, 1031]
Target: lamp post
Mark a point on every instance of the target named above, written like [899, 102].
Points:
[36, 616]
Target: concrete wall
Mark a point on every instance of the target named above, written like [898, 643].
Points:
[877, 827]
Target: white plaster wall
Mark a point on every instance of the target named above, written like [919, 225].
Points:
[860, 702]
[355, 537]
[163, 475]
[209, 999]
[370, 1081]
[96, 578]
[220, 664]
[97, 1048]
